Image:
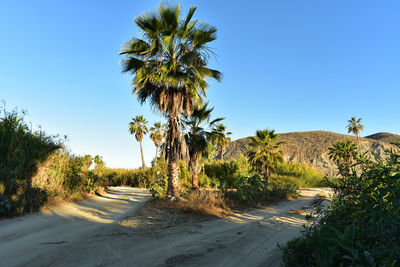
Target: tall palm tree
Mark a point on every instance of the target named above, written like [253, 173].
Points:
[344, 154]
[157, 135]
[220, 138]
[264, 151]
[138, 127]
[197, 126]
[169, 68]
[355, 126]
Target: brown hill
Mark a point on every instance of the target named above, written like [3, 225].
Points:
[384, 137]
[310, 148]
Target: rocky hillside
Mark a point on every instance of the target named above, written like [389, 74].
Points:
[311, 148]
[384, 137]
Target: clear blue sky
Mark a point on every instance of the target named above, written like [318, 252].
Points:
[287, 65]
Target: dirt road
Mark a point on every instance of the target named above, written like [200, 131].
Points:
[101, 232]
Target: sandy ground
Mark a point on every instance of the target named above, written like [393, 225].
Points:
[111, 231]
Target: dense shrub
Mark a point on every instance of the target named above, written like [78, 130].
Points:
[21, 150]
[35, 167]
[64, 174]
[226, 173]
[283, 188]
[362, 225]
[251, 190]
[302, 175]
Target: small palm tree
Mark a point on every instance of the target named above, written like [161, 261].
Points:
[169, 68]
[197, 125]
[344, 154]
[220, 138]
[355, 126]
[138, 127]
[264, 151]
[157, 133]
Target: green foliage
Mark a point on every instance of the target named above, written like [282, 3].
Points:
[220, 138]
[301, 175]
[283, 188]
[158, 189]
[251, 190]
[169, 62]
[345, 154]
[21, 150]
[138, 127]
[226, 172]
[207, 182]
[264, 151]
[157, 134]
[355, 126]
[362, 225]
[126, 177]
[255, 190]
[237, 179]
[35, 167]
[197, 137]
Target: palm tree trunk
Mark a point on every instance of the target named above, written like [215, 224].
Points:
[267, 174]
[155, 160]
[172, 177]
[141, 153]
[195, 180]
[194, 167]
[172, 190]
[222, 153]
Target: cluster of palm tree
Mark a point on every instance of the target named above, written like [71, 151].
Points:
[221, 139]
[169, 68]
[138, 127]
[263, 151]
[345, 153]
[201, 134]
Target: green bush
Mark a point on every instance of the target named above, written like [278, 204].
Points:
[302, 175]
[21, 150]
[158, 189]
[226, 174]
[207, 182]
[35, 167]
[252, 190]
[283, 188]
[362, 225]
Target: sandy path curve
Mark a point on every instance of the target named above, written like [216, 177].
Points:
[30, 240]
[86, 234]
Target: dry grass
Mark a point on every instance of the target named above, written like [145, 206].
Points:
[299, 212]
[201, 202]
[101, 191]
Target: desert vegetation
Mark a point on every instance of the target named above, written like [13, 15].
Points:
[169, 64]
[361, 226]
[36, 168]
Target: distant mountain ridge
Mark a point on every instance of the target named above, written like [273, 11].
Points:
[311, 148]
[384, 137]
